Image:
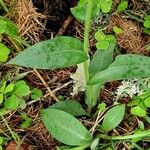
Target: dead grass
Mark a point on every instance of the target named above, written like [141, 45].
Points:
[29, 21]
[131, 39]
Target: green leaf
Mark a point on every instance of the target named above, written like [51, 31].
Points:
[4, 52]
[124, 67]
[99, 35]
[138, 111]
[21, 88]
[102, 106]
[3, 26]
[9, 27]
[95, 143]
[92, 92]
[80, 10]
[58, 52]
[12, 102]
[113, 117]
[101, 60]
[3, 86]
[134, 102]
[1, 97]
[103, 44]
[123, 5]
[147, 24]
[1, 140]
[147, 102]
[117, 30]
[9, 88]
[65, 128]
[147, 31]
[105, 5]
[147, 17]
[36, 94]
[72, 107]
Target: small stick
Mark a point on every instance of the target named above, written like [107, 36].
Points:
[47, 87]
[65, 25]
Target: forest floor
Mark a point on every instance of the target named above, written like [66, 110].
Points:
[39, 20]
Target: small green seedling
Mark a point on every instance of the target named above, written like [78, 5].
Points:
[117, 30]
[146, 24]
[36, 94]
[123, 5]
[103, 41]
[140, 104]
[1, 142]
[26, 121]
[4, 52]
[12, 95]
[147, 21]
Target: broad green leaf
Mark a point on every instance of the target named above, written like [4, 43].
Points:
[124, 67]
[113, 117]
[21, 88]
[58, 52]
[138, 111]
[65, 128]
[72, 107]
[12, 102]
[147, 102]
[4, 52]
[36, 94]
[117, 30]
[123, 5]
[9, 88]
[1, 97]
[105, 5]
[80, 10]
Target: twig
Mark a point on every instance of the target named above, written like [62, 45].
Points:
[47, 87]
[65, 25]
[58, 88]
[97, 121]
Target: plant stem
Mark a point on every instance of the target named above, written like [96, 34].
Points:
[86, 36]
[142, 134]
[86, 49]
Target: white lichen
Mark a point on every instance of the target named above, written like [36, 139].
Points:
[79, 80]
[129, 88]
